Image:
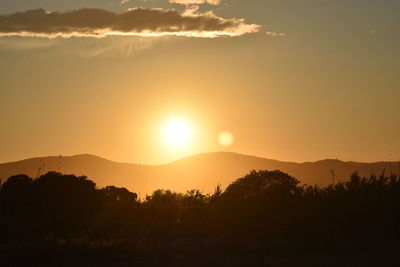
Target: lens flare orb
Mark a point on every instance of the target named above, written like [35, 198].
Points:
[226, 139]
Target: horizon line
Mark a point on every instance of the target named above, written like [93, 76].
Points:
[194, 155]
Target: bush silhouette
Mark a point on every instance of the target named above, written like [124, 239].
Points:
[266, 217]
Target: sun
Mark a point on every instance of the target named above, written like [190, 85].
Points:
[177, 132]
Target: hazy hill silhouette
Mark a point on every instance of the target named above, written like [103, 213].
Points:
[202, 171]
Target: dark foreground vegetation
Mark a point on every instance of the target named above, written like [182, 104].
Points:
[263, 219]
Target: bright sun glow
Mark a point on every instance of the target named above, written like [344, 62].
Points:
[226, 139]
[177, 132]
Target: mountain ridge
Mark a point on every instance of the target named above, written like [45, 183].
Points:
[193, 155]
[200, 171]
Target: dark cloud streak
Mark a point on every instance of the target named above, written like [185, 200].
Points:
[135, 22]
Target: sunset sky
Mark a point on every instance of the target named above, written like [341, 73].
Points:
[294, 80]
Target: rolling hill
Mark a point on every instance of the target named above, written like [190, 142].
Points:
[202, 171]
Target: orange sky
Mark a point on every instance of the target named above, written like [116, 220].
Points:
[316, 81]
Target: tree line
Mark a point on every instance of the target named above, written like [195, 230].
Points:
[263, 218]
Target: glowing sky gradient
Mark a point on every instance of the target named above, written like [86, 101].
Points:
[301, 81]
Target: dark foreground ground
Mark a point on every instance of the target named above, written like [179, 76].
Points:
[263, 219]
[124, 255]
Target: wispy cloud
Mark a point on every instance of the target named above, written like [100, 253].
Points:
[192, 6]
[195, 2]
[134, 22]
[117, 46]
[276, 34]
[24, 44]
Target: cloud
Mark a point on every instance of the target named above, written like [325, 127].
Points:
[276, 34]
[191, 9]
[11, 44]
[116, 46]
[196, 2]
[134, 22]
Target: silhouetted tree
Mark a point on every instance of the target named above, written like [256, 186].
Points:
[265, 217]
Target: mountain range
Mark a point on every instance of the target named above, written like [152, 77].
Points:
[201, 171]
